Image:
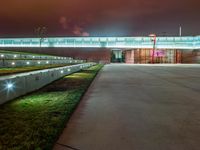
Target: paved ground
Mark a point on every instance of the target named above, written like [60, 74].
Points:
[138, 107]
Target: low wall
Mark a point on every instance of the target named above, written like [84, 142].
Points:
[25, 63]
[13, 86]
[28, 56]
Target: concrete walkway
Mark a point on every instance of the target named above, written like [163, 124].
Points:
[138, 107]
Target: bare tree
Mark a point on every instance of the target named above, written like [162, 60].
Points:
[41, 33]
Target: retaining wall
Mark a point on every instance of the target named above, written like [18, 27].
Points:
[28, 56]
[25, 63]
[13, 86]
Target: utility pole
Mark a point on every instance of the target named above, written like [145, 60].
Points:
[180, 31]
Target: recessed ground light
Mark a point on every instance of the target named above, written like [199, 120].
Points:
[28, 63]
[69, 69]
[15, 56]
[62, 71]
[47, 62]
[9, 86]
[13, 63]
[38, 62]
[2, 55]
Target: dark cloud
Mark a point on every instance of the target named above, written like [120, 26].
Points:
[71, 28]
[99, 17]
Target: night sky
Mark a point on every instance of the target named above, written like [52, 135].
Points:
[99, 17]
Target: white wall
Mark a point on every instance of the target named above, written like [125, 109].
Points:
[21, 60]
[24, 83]
[4, 63]
[28, 56]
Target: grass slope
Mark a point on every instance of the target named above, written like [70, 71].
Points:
[9, 71]
[22, 53]
[33, 122]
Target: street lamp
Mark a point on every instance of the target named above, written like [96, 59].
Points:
[153, 36]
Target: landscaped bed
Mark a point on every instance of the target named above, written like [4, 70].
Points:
[8, 71]
[22, 53]
[36, 120]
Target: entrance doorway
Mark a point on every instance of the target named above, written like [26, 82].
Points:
[117, 56]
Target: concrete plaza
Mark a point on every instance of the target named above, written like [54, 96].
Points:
[138, 107]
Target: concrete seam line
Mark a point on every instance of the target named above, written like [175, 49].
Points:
[67, 146]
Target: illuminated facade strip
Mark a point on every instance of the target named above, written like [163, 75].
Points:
[188, 42]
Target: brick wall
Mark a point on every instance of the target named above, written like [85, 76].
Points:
[97, 55]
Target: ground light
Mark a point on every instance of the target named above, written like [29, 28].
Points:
[9, 86]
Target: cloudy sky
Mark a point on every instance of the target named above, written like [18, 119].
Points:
[99, 17]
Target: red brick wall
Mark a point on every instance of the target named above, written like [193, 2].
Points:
[97, 55]
[191, 56]
[129, 56]
[143, 56]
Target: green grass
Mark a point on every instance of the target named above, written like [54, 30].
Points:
[8, 71]
[34, 122]
[23, 53]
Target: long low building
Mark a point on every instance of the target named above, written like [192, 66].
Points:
[185, 49]
[186, 42]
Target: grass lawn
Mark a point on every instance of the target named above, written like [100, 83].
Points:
[22, 53]
[34, 122]
[8, 71]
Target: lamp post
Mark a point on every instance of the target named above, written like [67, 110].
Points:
[154, 46]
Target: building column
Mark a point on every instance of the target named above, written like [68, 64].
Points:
[129, 56]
